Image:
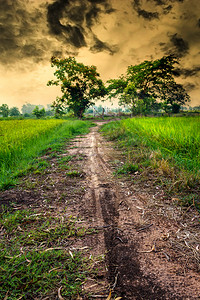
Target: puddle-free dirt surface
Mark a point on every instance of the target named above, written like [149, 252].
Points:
[142, 258]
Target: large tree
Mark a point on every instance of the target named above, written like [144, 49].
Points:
[150, 85]
[80, 85]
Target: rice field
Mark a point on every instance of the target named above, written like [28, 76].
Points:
[178, 137]
[22, 140]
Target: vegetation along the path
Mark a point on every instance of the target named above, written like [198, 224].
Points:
[165, 148]
[23, 140]
[34, 259]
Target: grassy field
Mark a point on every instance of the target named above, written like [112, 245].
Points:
[170, 145]
[34, 257]
[178, 137]
[23, 140]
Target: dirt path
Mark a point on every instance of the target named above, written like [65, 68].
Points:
[147, 248]
[140, 263]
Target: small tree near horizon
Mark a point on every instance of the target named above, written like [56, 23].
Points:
[28, 108]
[80, 85]
[39, 113]
[4, 110]
[14, 111]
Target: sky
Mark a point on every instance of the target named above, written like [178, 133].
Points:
[110, 34]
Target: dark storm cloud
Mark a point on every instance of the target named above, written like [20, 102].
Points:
[76, 14]
[138, 6]
[189, 87]
[159, 2]
[35, 32]
[100, 46]
[92, 15]
[181, 47]
[104, 3]
[62, 13]
[55, 12]
[167, 9]
[159, 8]
[109, 10]
[93, 12]
[72, 34]
[147, 14]
[97, 1]
[186, 72]
[75, 35]
[176, 46]
[136, 3]
[58, 17]
[17, 32]
[32, 31]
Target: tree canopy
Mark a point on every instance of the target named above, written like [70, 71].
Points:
[14, 111]
[80, 85]
[149, 86]
[39, 113]
[28, 108]
[4, 110]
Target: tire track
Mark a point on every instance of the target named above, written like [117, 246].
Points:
[123, 268]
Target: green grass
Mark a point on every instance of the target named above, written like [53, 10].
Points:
[41, 273]
[127, 168]
[23, 140]
[35, 260]
[176, 137]
[168, 146]
[74, 173]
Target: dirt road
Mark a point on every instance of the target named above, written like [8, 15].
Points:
[151, 248]
[141, 264]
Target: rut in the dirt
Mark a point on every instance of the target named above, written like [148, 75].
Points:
[124, 272]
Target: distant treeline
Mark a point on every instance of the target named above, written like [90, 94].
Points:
[29, 110]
